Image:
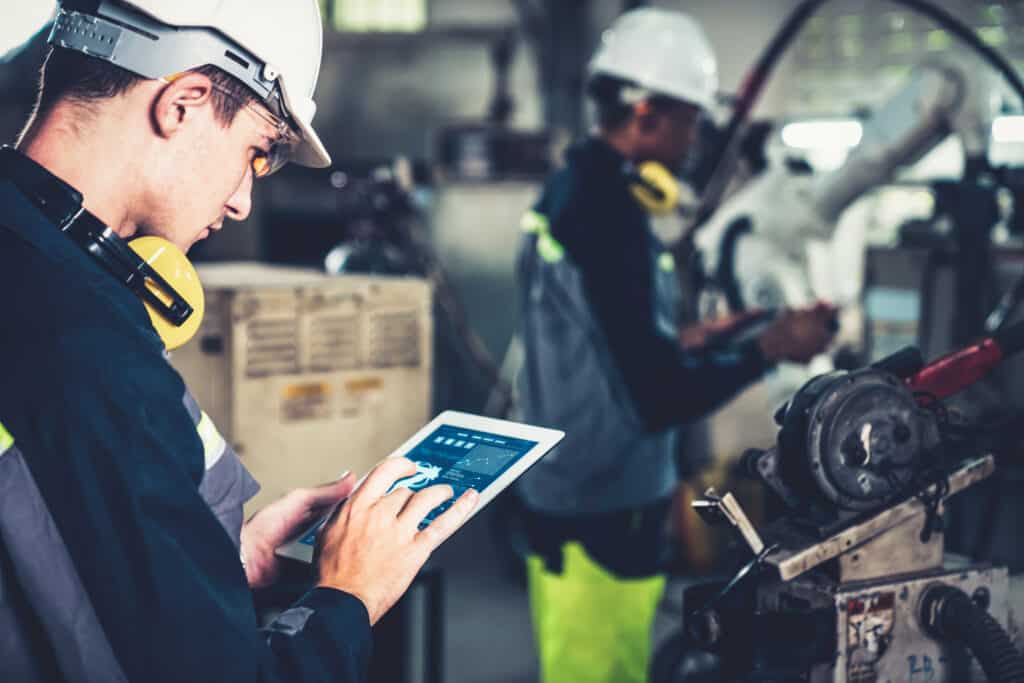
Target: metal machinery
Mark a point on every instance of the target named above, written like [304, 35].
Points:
[851, 583]
[309, 375]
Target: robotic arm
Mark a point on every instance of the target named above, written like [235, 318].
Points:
[755, 246]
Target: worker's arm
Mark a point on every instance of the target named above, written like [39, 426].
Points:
[605, 236]
[669, 386]
[161, 573]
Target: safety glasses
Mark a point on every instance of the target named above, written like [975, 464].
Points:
[282, 148]
[268, 162]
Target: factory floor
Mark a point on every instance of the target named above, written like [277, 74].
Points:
[488, 638]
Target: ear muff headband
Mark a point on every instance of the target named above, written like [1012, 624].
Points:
[654, 187]
[178, 286]
[156, 270]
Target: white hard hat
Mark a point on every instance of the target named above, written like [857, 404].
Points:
[272, 46]
[662, 51]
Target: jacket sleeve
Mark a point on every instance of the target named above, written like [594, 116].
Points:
[606, 236]
[119, 463]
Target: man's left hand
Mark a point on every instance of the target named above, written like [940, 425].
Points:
[280, 521]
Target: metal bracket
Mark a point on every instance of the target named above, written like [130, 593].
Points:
[714, 508]
[792, 562]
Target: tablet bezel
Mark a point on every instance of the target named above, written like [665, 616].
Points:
[545, 439]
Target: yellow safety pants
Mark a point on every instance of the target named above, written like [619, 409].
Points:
[590, 625]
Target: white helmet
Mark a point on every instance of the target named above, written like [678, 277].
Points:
[661, 51]
[273, 46]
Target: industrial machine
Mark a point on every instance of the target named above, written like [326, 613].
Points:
[851, 584]
[309, 375]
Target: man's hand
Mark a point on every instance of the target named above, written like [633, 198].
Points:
[373, 548]
[698, 335]
[280, 521]
[798, 336]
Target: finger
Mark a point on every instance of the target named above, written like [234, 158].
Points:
[326, 495]
[383, 477]
[395, 502]
[448, 523]
[423, 502]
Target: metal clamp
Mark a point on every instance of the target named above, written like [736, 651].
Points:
[714, 508]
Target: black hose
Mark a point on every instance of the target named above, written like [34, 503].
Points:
[722, 158]
[948, 614]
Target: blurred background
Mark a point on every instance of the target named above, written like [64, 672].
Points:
[443, 118]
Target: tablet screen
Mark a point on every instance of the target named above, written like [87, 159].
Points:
[460, 457]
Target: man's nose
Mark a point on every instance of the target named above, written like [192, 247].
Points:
[239, 204]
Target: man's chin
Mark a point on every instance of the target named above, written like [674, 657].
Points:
[199, 238]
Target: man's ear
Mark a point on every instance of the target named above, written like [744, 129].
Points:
[179, 101]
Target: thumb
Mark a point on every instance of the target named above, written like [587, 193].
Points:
[329, 494]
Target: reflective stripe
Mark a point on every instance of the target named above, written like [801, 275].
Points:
[534, 223]
[6, 440]
[667, 262]
[549, 249]
[213, 443]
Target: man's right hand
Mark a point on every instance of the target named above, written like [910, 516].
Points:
[799, 335]
[373, 547]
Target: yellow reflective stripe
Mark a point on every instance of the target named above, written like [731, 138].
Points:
[6, 440]
[213, 443]
[534, 222]
[549, 249]
[667, 262]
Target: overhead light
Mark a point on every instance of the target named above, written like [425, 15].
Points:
[1008, 129]
[823, 134]
[21, 21]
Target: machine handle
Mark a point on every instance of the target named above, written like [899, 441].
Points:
[955, 372]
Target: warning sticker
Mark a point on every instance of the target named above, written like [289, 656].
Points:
[868, 633]
[310, 401]
[357, 393]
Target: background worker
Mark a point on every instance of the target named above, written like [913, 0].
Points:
[120, 504]
[605, 357]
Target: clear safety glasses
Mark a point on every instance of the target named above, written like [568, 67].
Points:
[266, 163]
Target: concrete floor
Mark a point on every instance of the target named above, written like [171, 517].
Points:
[487, 619]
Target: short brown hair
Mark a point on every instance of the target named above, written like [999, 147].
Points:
[67, 75]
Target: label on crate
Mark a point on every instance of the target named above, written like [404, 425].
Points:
[308, 401]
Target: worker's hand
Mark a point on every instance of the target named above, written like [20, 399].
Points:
[799, 335]
[698, 335]
[282, 520]
[373, 548]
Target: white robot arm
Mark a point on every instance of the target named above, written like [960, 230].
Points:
[755, 246]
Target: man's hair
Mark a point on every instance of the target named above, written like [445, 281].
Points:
[606, 93]
[73, 77]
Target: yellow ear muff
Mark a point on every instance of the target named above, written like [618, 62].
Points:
[172, 265]
[655, 188]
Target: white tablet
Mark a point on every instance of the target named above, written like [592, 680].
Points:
[464, 451]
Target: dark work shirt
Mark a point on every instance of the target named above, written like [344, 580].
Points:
[607, 235]
[97, 415]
